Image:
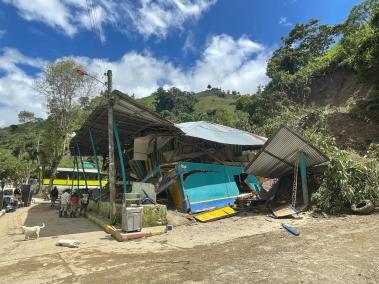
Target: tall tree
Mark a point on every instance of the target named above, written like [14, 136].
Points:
[26, 116]
[304, 43]
[175, 99]
[10, 168]
[64, 89]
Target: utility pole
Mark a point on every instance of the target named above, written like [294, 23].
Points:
[111, 166]
[39, 164]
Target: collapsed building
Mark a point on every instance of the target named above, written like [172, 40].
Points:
[193, 166]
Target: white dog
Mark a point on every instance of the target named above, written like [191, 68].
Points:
[28, 231]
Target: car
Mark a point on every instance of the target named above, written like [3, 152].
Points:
[8, 198]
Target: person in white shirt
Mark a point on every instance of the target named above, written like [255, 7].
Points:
[65, 201]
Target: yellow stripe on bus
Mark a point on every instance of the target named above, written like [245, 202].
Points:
[66, 182]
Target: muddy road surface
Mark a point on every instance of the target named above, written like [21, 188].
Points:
[333, 250]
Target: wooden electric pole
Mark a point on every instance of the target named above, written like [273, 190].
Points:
[111, 165]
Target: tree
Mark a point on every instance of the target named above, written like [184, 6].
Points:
[237, 119]
[64, 89]
[361, 39]
[360, 15]
[26, 116]
[174, 100]
[304, 43]
[10, 168]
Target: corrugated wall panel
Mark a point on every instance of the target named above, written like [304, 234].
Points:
[278, 156]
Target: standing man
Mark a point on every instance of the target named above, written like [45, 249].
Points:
[17, 195]
[65, 200]
[53, 196]
[84, 201]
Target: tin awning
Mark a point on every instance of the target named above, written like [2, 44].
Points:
[279, 154]
[131, 118]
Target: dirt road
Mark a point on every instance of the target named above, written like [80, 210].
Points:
[336, 250]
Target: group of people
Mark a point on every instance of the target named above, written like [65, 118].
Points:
[70, 204]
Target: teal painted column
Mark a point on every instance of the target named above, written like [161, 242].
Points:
[81, 162]
[96, 162]
[120, 156]
[303, 172]
[77, 171]
[73, 175]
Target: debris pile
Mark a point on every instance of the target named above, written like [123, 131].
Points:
[207, 170]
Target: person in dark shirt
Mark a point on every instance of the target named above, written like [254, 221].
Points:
[53, 196]
[84, 201]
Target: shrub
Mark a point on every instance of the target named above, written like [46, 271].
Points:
[346, 181]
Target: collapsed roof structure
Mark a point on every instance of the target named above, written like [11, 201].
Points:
[143, 133]
[278, 156]
[201, 165]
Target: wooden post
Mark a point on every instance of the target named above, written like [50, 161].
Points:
[111, 166]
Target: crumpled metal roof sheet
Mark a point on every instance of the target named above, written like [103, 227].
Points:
[220, 133]
[278, 156]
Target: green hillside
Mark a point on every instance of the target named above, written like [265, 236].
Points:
[206, 102]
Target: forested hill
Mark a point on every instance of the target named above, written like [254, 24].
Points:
[322, 77]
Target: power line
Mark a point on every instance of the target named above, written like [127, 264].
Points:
[96, 30]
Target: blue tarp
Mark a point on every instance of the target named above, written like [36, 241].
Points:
[209, 186]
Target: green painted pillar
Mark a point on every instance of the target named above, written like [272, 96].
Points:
[84, 171]
[303, 173]
[73, 174]
[77, 172]
[120, 156]
[96, 162]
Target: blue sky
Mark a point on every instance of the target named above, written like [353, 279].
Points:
[147, 44]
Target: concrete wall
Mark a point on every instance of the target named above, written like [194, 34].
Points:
[153, 215]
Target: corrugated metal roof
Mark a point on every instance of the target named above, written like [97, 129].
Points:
[131, 119]
[220, 133]
[134, 120]
[278, 156]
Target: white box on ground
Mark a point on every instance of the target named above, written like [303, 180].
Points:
[131, 219]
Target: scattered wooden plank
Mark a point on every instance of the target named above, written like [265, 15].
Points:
[284, 211]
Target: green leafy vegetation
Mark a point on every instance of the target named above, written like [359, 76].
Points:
[21, 142]
[10, 168]
[346, 182]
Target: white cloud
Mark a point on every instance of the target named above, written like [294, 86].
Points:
[16, 92]
[227, 63]
[51, 12]
[189, 44]
[284, 22]
[158, 17]
[147, 17]
[231, 64]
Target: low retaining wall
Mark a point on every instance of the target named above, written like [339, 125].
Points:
[153, 215]
[118, 235]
